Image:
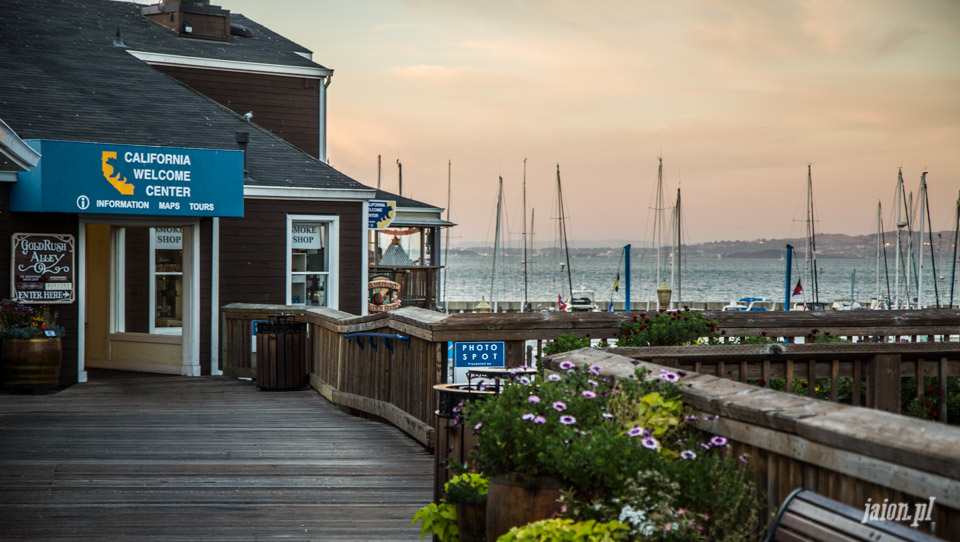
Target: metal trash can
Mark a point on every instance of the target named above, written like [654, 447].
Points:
[282, 354]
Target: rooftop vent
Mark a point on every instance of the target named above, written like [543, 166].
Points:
[191, 18]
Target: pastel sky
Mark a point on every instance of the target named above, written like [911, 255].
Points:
[737, 96]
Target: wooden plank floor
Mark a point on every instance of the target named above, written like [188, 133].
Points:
[129, 456]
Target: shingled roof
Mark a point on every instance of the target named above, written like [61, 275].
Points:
[62, 77]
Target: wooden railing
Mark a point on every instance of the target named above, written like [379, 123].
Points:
[418, 283]
[398, 385]
[849, 454]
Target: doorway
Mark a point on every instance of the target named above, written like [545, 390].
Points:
[139, 296]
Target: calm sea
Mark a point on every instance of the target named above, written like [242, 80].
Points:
[703, 279]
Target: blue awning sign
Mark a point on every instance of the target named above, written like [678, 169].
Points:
[102, 178]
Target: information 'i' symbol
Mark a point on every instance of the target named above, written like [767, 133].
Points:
[83, 202]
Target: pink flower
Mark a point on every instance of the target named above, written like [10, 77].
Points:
[568, 420]
[534, 398]
[635, 431]
[539, 419]
[565, 365]
[559, 406]
[588, 394]
[528, 417]
[595, 369]
[718, 441]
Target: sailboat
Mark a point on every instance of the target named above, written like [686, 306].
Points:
[494, 281]
[810, 277]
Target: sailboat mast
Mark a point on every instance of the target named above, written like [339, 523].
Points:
[495, 285]
[446, 247]
[533, 213]
[911, 264]
[563, 231]
[879, 234]
[933, 252]
[658, 220]
[922, 194]
[811, 255]
[677, 256]
[956, 242]
[523, 256]
[900, 225]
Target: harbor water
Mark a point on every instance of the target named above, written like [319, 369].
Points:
[703, 280]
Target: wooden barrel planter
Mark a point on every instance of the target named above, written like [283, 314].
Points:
[471, 521]
[32, 364]
[517, 499]
[449, 396]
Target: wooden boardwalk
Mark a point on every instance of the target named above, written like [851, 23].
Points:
[130, 456]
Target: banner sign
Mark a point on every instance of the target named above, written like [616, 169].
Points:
[78, 177]
[467, 355]
[380, 213]
[42, 266]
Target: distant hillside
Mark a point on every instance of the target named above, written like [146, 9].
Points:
[829, 245]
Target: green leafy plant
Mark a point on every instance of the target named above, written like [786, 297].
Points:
[821, 337]
[588, 432]
[566, 343]
[567, 530]
[676, 328]
[19, 321]
[469, 488]
[439, 520]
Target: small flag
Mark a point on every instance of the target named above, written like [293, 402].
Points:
[798, 289]
[610, 306]
[616, 283]
[560, 304]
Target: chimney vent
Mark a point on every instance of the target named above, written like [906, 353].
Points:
[242, 139]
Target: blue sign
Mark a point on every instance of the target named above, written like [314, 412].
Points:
[479, 354]
[102, 178]
[380, 213]
[467, 355]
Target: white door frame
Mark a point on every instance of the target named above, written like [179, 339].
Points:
[190, 365]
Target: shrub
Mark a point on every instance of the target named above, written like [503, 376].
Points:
[566, 343]
[567, 530]
[469, 488]
[675, 328]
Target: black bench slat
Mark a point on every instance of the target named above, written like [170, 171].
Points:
[809, 517]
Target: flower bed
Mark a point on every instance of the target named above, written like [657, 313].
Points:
[624, 452]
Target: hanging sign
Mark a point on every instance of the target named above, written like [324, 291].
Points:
[42, 268]
[168, 239]
[306, 235]
[380, 213]
[101, 178]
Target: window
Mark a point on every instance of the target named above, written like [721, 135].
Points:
[167, 280]
[312, 261]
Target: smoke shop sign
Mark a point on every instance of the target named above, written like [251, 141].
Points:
[80, 177]
[43, 268]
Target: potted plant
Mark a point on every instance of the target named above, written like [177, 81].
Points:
[608, 450]
[31, 346]
[468, 492]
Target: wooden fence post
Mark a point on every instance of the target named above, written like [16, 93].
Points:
[883, 382]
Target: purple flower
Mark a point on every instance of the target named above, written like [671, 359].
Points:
[692, 417]
[478, 426]
[744, 458]
[711, 417]
[650, 443]
[539, 419]
[565, 365]
[688, 454]
[554, 378]
[705, 446]
[528, 417]
[568, 420]
[592, 383]
[594, 369]
[607, 415]
[559, 406]
[718, 441]
[669, 377]
[635, 431]
[534, 398]
[588, 394]
[457, 408]
[456, 420]
[525, 381]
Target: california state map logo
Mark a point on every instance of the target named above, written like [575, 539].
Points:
[116, 179]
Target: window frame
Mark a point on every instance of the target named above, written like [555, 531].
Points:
[331, 245]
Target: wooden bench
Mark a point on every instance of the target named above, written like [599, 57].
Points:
[806, 517]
